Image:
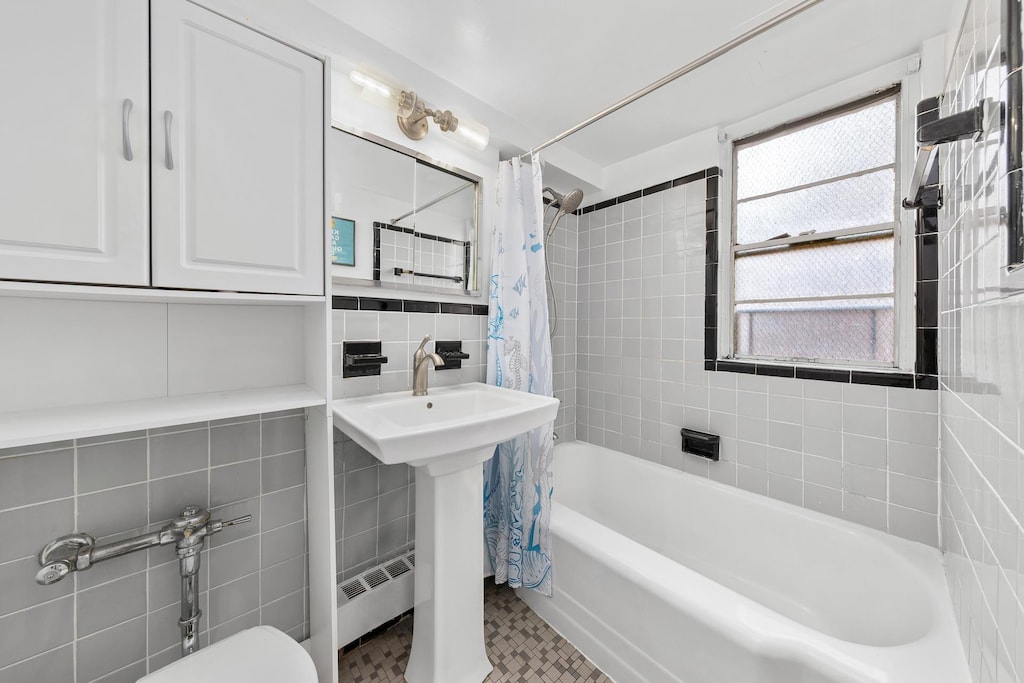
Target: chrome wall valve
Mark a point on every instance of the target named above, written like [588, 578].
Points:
[64, 555]
[187, 531]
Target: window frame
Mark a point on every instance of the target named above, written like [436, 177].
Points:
[903, 254]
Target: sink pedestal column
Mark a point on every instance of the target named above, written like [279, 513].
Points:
[448, 622]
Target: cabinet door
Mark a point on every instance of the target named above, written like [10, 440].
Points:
[73, 202]
[237, 175]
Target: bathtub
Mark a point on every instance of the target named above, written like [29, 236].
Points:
[662, 576]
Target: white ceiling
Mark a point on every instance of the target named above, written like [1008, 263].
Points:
[549, 65]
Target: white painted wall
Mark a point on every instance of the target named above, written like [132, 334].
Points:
[692, 153]
[60, 353]
[702, 150]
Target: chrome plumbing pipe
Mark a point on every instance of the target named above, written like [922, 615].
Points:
[187, 531]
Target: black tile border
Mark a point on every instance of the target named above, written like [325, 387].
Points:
[925, 375]
[374, 304]
[368, 303]
[467, 247]
[714, 172]
[421, 306]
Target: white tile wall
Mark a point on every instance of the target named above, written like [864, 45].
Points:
[865, 453]
[982, 374]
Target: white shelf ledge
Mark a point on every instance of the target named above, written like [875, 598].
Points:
[42, 425]
[54, 290]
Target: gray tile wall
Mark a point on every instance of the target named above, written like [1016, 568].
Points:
[562, 252]
[863, 453]
[375, 503]
[982, 372]
[117, 621]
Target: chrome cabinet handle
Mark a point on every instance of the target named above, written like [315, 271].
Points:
[168, 157]
[126, 136]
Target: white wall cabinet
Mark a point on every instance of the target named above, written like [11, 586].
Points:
[230, 155]
[74, 203]
[237, 179]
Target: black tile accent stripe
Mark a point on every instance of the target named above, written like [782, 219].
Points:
[421, 306]
[459, 309]
[776, 370]
[366, 303]
[466, 247]
[714, 171]
[415, 233]
[341, 303]
[711, 255]
[667, 185]
[926, 251]
[904, 380]
[824, 374]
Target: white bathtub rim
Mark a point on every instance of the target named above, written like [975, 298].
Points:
[921, 555]
[753, 626]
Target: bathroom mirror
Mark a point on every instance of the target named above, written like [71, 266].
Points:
[400, 220]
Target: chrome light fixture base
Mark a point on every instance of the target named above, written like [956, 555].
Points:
[413, 115]
[413, 129]
[414, 112]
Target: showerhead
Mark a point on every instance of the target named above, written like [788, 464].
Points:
[566, 203]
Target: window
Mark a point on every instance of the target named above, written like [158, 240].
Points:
[813, 241]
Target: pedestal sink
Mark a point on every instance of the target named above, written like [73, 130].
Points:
[445, 436]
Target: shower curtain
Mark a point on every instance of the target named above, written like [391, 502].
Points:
[517, 480]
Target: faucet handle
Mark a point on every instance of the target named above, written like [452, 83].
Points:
[423, 343]
[217, 525]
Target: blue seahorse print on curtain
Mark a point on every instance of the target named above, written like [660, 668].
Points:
[517, 480]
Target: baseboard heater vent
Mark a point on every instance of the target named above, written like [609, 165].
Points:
[375, 597]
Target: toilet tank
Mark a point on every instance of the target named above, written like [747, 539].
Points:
[257, 655]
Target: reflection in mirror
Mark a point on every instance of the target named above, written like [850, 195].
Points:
[415, 222]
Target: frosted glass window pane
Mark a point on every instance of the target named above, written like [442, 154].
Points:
[833, 269]
[854, 202]
[855, 330]
[859, 140]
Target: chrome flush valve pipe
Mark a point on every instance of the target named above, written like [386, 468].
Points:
[191, 527]
[187, 531]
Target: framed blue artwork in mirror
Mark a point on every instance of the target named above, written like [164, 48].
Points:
[343, 241]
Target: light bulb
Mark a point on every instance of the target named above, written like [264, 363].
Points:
[472, 133]
[377, 88]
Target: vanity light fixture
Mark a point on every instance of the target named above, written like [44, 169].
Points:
[413, 112]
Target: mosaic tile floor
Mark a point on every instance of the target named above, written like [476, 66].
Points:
[520, 645]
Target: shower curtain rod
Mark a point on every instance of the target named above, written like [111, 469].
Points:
[682, 71]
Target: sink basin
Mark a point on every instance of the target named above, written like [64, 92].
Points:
[402, 428]
[445, 436]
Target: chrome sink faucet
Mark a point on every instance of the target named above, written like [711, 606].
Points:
[420, 366]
